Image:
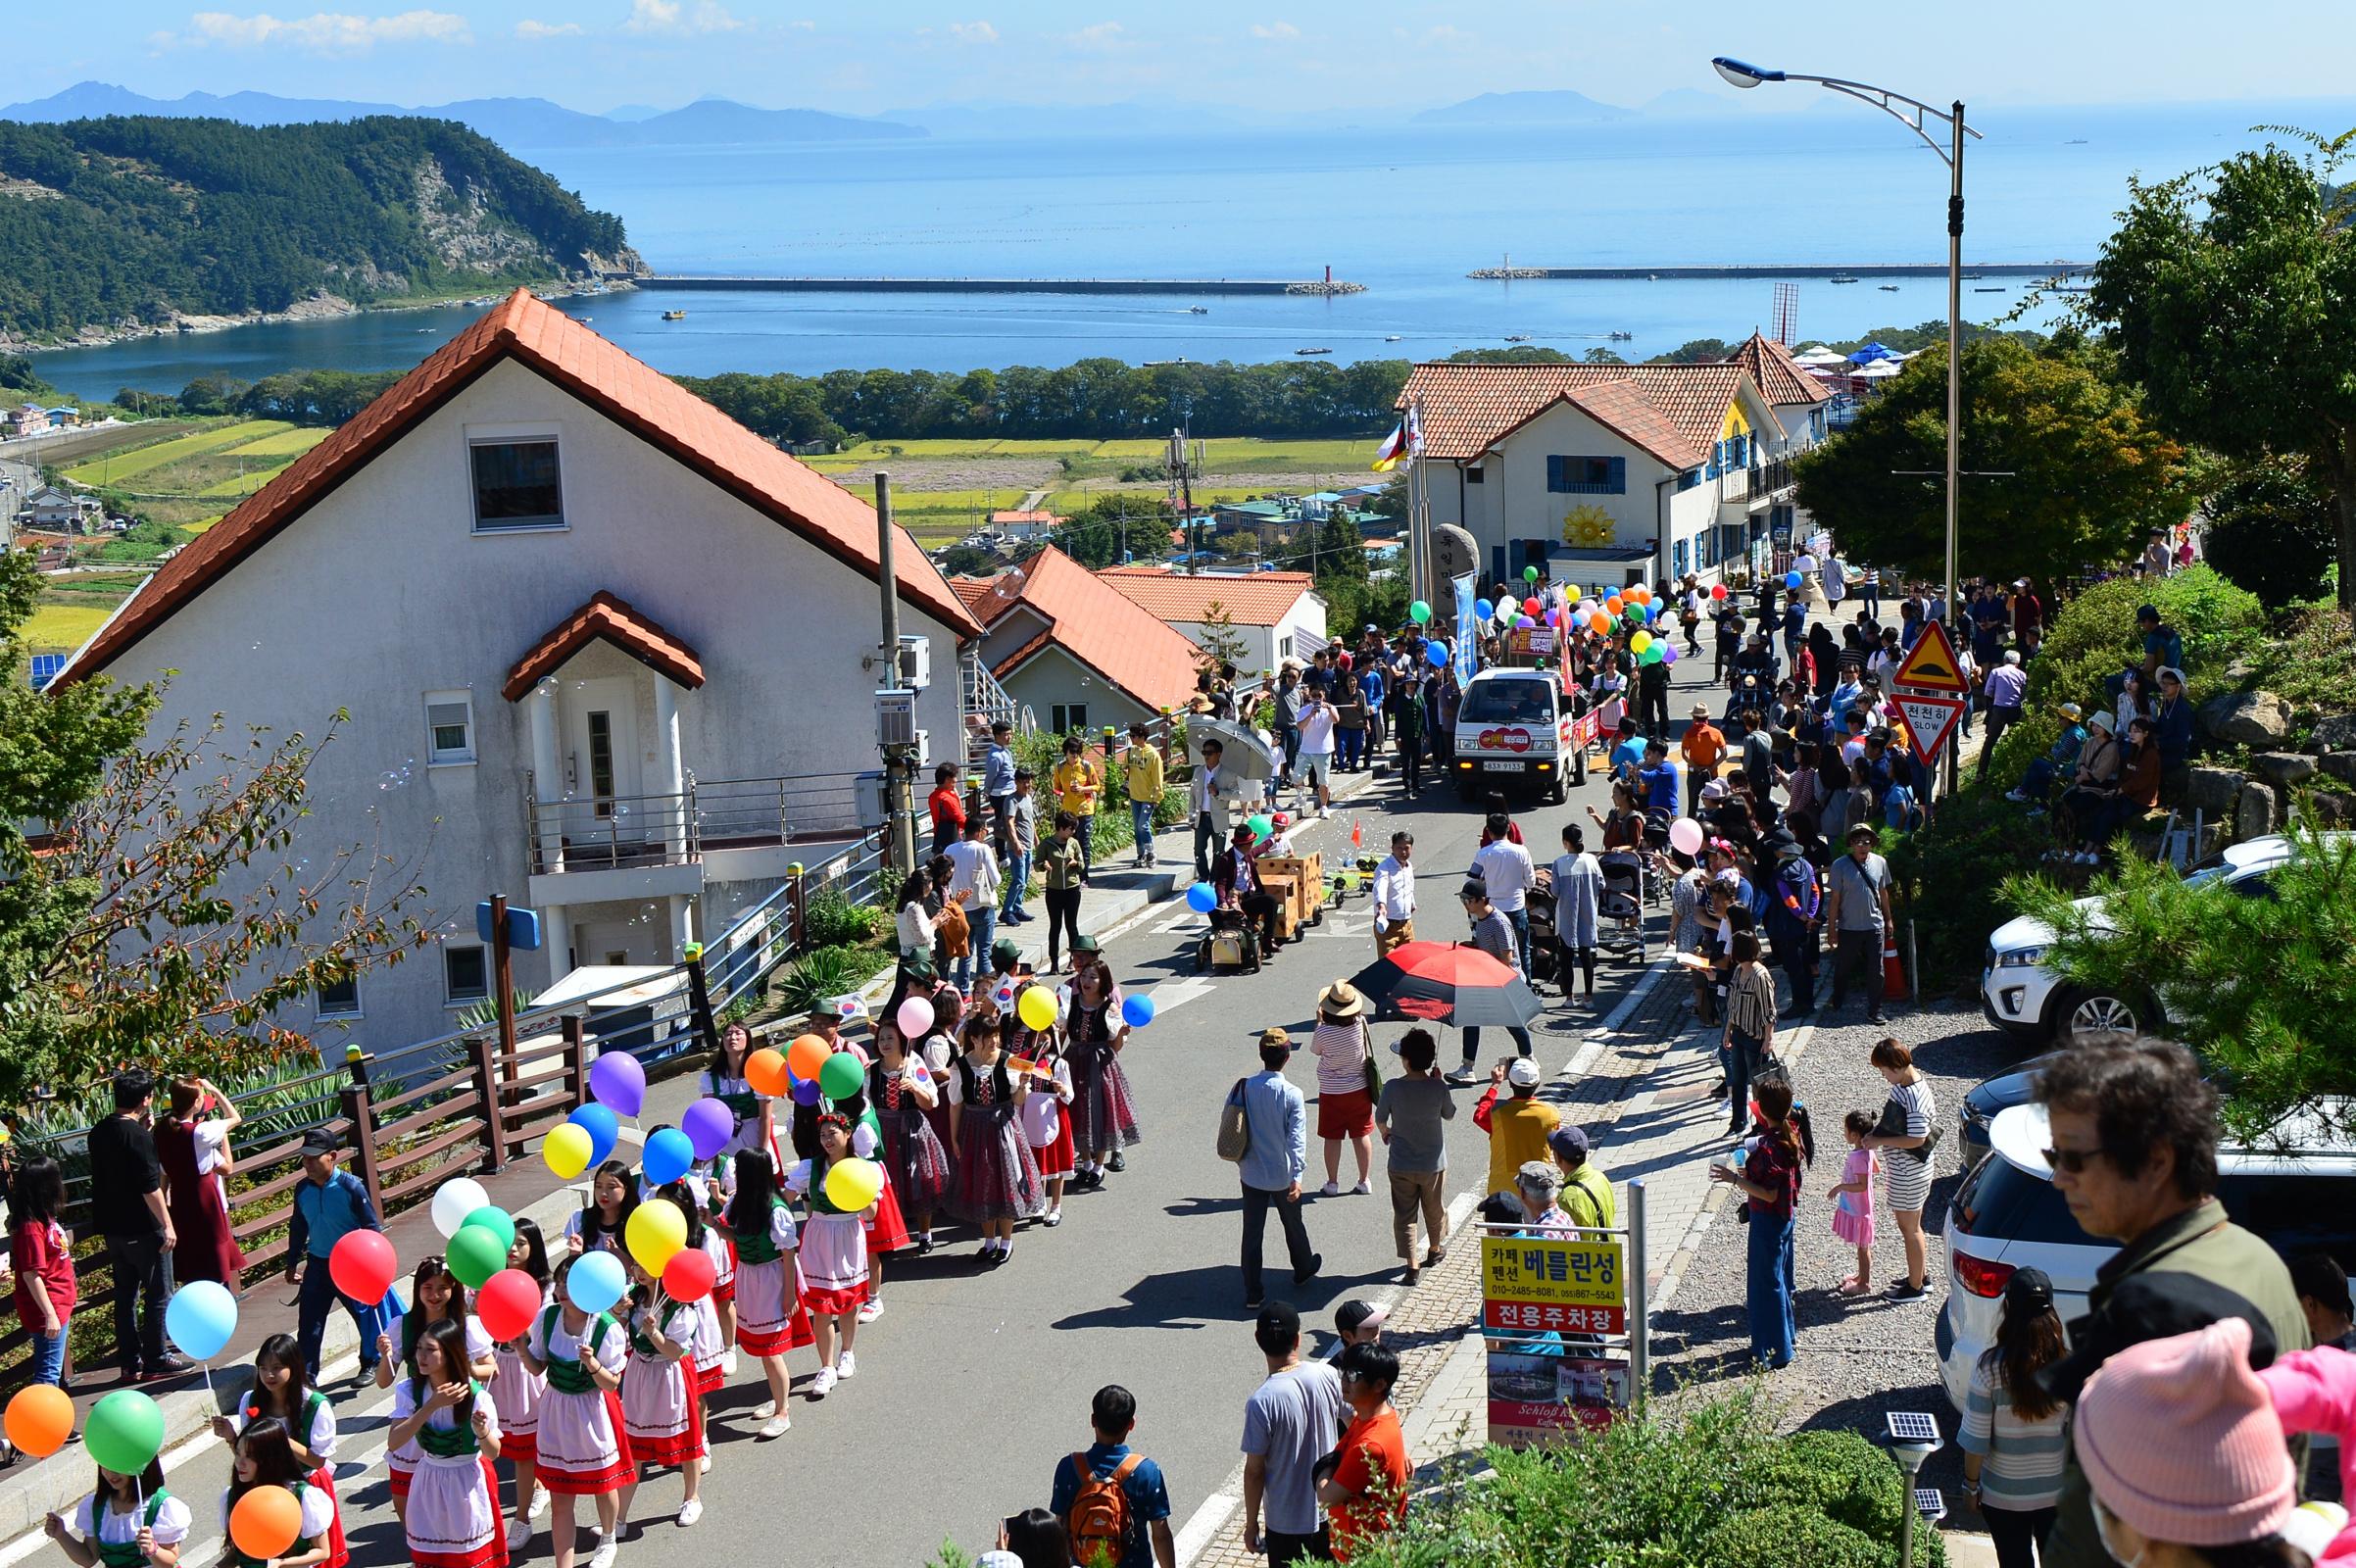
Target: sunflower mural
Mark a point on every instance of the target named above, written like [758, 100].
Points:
[1589, 526]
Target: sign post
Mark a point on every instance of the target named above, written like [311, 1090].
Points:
[1938, 687]
[1562, 1316]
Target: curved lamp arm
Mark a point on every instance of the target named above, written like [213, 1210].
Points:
[1912, 113]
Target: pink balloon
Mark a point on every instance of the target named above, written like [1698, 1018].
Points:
[1685, 835]
[915, 1018]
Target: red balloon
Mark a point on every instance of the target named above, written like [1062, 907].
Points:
[1717, 590]
[362, 1266]
[506, 1304]
[689, 1275]
[1530, 607]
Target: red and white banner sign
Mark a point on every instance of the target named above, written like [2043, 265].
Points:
[1927, 720]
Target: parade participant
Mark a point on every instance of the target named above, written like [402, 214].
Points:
[434, 1297]
[596, 1226]
[709, 1361]
[1046, 1122]
[582, 1452]
[903, 1089]
[1104, 1112]
[833, 1257]
[126, 1521]
[1237, 884]
[517, 1391]
[452, 1516]
[193, 1148]
[997, 1180]
[723, 1080]
[282, 1393]
[662, 1411]
[770, 1319]
[263, 1456]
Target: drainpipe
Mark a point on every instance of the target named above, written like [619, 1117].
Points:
[1660, 527]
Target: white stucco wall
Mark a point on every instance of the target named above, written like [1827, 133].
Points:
[382, 593]
[1052, 676]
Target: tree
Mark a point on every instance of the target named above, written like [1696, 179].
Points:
[1600, 355]
[2271, 529]
[1220, 643]
[1696, 351]
[2230, 295]
[2086, 476]
[1341, 549]
[969, 561]
[158, 916]
[2259, 986]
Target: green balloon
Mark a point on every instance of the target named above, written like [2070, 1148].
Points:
[840, 1077]
[125, 1432]
[1529, 574]
[1260, 826]
[474, 1255]
[494, 1219]
[1419, 612]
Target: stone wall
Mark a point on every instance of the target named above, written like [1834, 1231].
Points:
[2257, 801]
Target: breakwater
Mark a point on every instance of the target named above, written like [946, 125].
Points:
[1860, 270]
[1313, 287]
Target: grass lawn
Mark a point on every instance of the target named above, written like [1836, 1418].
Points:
[62, 628]
[122, 466]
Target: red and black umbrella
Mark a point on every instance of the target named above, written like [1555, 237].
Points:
[1442, 983]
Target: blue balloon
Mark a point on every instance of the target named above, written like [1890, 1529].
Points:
[1791, 579]
[669, 1153]
[1485, 611]
[1652, 611]
[596, 1282]
[1137, 1011]
[1201, 898]
[200, 1317]
[1437, 653]
[603, 1128]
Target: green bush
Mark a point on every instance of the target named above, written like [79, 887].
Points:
[1947, 878]
[824, 973]
[1789, 1537]
[1839, 1475]
[833, 920]
[2312, 665]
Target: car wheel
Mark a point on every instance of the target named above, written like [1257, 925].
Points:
[2097, 1011]
[1560, 789]
[1580, 775]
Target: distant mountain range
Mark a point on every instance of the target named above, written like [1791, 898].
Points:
[524, 123]
[1558, 108]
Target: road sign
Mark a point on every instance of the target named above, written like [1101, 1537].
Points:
[1931, 664]
[1519, 1272]
[1927, 720]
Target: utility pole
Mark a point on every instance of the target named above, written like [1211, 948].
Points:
[900, 826]
[1954, 365]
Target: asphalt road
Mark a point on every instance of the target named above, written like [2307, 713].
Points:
[975, 1381]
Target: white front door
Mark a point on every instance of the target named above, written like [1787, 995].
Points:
[603, 767]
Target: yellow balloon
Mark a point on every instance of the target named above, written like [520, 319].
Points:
[568, 1151]
[657, 1232]
[1639, 642]
[854, 1183]
[1037, 1011]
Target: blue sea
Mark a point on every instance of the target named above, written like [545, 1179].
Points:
[1405, 211]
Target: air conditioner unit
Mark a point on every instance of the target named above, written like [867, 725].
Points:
[915, 663]
[896, 719]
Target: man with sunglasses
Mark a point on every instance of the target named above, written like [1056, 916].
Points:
[2134, 1136]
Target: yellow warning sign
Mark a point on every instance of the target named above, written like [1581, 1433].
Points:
[1931, 664]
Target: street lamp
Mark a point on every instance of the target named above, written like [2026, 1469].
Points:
[1914, 115]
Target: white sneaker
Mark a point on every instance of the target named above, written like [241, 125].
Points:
[703, 1465]
[728, 1361]
[1330, 1189]
[870, 1311]
[539, 1501]
[846, 1365]
[823, 1384]
[775, 1427]
[1361, 1189]
[765, 1409]
[602, 1557]
[519, 1535]
[689, 1511]
[1053, 1217]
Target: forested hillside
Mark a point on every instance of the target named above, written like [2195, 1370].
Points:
[142, 219]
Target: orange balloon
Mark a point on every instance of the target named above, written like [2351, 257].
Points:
[1600, 624]
[40, 1418]
[266, 1522]
[1640, 594]
[765, 1072]
[805, 1055]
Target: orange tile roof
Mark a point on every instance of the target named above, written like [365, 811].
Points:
[607, 618]
[1675, 411]
[632, 394]
[1088, 620]
[1259, 599]
[1777, 373]
[1024, 517]
[971, 591]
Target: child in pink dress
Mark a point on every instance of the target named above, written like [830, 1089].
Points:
[1853, 1200]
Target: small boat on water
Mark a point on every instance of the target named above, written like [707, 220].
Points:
[1390, 337]
[1517, 337]
[1889, 288]
[1843, 278]
[1989, 288]
[674, 316]
[1197, 310]
[1313, 351]
[1623, 337]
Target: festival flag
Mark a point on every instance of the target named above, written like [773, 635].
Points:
[1405, 442]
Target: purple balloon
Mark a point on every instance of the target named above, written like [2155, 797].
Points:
[618, 1083]
[805, 1092]
[709, 1125]
[1668, 652]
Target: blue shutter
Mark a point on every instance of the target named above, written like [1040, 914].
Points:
[1617, 484]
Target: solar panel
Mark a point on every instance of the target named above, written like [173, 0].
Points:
[1931, 1501]
[45, 667]
[1913, 1426]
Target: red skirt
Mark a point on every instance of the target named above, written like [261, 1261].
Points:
[492, 1554]
[832, 1303]
[796, 1334]
[339, 1549]
[609, 1477]
[888, 1231]
[725, 1289]
[709, 1380]
[206, 1249]
[1056, 1159]
[516, 1448]
[398, 1477]
[678, 1448]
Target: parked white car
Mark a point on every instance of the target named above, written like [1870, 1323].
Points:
[2006, 1216]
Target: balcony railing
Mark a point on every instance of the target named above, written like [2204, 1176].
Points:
[1769, 478]
[604, 833]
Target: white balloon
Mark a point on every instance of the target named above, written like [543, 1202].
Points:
[454, 1200]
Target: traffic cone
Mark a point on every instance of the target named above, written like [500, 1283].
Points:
[1357, 834]
[1894, 973]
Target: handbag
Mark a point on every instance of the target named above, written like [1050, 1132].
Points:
[1893, 1125]
[1374, 1072]
[1235, 1126]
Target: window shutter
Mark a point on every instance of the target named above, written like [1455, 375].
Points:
[1618, 482]
[440, 715]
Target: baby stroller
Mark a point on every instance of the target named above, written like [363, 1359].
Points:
[1620, 911]
[1543, 965]
[1231, 945]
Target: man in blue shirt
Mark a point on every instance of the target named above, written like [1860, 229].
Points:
[1371, 688]
[998, 784]
[1628, 752]
[1149, 1544]
[1658, 776]
[328, 1206]
[1276, 1153]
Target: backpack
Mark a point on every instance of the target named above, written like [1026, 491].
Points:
[1901, 810]
[1098, 1521]
[1795, 885]
[1235, 1127]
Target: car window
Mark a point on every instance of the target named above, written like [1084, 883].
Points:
[1506, 702]
[2295, 1212]
[2005, 1204]
[2259, 886]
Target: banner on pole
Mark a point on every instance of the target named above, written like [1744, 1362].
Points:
[1468, 627]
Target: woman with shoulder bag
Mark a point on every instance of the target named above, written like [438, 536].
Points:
[1344, 1102]
[1907, 1129]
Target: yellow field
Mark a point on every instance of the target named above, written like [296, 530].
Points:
[290, 444]
[62, 628]
[143, 459]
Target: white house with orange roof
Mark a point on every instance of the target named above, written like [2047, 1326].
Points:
[603, 650]
[1072, 652]
[1275, 615]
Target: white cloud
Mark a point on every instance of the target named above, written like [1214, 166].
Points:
[802, 24]
[324, 31]
[973, 32]
[531, 31]
[674, 16]
[1274, 31]
[1444, 36]
[1100, 37]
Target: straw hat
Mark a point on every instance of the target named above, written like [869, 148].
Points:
[1340, 1000]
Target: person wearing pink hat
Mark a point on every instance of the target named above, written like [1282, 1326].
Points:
[2187, 1459]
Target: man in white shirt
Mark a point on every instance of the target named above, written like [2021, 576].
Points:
[1394, 896]
[1505, 869]
[1317, 720]
[973, 884]
[1209, 793]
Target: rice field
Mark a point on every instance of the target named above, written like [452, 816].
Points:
[62, 628]
[116, 467]
[201, 471]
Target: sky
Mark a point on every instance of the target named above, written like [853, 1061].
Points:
[596, 54]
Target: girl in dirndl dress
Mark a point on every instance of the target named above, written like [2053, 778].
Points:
[264, 1456]
[1104, 1115]
[1045, 1124]
[706, 1357]
[435, 1297]
[517, 1391]
[661, 1410]
[723, 1080]
[768, 1309]
[442, 1412]
[283, 1392]
[903, 1089]
[598, 1225]
[886, 1227]
[997, 1180]
[125, 1521]
[834, 1256]
[582, 1450]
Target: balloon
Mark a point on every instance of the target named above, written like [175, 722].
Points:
[1668, 652]
[474, 1255]
[1651, 610]
[689, 1275]
[40, 1418]
[841, 1078]
[595, 1281]
[808, 1054]
[1260, 825]
[655, 1235]
[1201, 898]
[805, 1092]
[506, 1304]
[1640, 641]
[1437, 653]
[1598, 623]
[1529, 574]
[618, 1083]
[126, 1429]
[1484, 609]
[200, 1317]
[1137, 1011]
[708, 1124]
[567, 1149]
[669, 1153]
[1685, 835]
[604, 1129]
[362, 1265]
[1553, 617]
[765, 1074]
[265, 1522]
[496, 1220]
[452, 1202]
[1640, 594]
[1717, 590]
[915, 1018]
[1420, 613]
[1652, 655]
[1523, 623]
[1038, 1010]
[1614, 604]
[1791, 579]
[1530, 607]
[854, 1183]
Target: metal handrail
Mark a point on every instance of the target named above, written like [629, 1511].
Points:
[607, 831]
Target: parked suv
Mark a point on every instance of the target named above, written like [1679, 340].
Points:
[2006, 1216]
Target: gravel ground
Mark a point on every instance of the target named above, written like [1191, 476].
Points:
[1861, 1358]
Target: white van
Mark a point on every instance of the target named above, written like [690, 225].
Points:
[1514, 730]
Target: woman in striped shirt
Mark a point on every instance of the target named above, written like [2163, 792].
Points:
[1748, 1039]
[2012, 1439]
